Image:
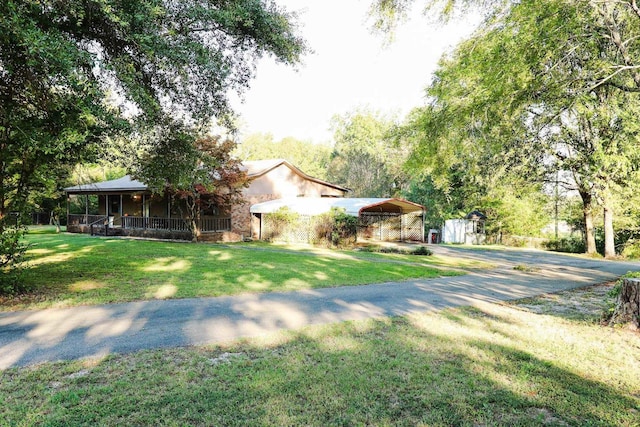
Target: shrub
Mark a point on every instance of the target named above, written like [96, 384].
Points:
[283, 221]
[631, 249]
[11, 253]
[566, 244]
[422, 250]
[335, 228]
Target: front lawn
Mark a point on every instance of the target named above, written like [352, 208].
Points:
[492, 365]
[72, 269]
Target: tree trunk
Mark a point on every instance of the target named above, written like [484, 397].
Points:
[609, 241]
[587, 211]
[54, 219]
[194, 230]
[628, 305]
[193, 204]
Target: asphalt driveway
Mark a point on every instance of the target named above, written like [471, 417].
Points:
[30, 337]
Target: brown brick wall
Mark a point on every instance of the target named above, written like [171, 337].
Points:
[241, 222]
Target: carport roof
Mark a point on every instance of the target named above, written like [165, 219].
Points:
[318, 205]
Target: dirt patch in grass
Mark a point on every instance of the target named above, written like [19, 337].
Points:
[587, 303]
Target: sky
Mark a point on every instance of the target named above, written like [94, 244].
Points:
[350, 68]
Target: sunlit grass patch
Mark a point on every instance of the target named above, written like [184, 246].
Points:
[168, 264]
[163, 291]
[72, 269]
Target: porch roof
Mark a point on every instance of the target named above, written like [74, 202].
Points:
[124, 184]
[352, 206]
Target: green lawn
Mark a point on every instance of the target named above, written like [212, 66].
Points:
[72, 269]
[502, 365]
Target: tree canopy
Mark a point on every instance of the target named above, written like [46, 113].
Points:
[530, 95]
[310, 157]
[73, 71]
[364, 159]
[197, 169]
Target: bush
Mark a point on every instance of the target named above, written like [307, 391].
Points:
[11, 253]
[631, 249]
[422, 250]
[335, 228]
[283, 222]
[573, 245]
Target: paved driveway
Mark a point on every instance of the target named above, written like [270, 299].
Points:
[30, 337]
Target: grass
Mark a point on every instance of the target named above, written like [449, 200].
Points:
[72, 269]
[526, 268]
[503, 365]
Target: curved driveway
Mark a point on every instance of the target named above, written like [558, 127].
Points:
[29, 337]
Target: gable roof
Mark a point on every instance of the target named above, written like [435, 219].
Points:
[257, 168]
[318, 205]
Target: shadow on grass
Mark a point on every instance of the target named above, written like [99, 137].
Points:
[364, 373]
[77, 269]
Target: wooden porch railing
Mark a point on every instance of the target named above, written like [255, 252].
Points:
[154, 223]
[81, 219]
[215, 224]
[170, 224]
[175, 224]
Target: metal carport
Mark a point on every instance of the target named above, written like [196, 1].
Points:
[388, 219]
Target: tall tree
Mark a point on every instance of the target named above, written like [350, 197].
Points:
[312, 158]
[364, 158]
[70, 71]
[521, 94]
[198, 170]
[615, 23]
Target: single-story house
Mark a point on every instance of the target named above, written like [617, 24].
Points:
[127, 207]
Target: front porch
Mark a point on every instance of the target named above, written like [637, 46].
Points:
[124, 207]
[143, 226]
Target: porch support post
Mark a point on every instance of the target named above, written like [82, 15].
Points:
[86, 209]
[145, 214]
[120, 210]
[424, 215]
[68, 195]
